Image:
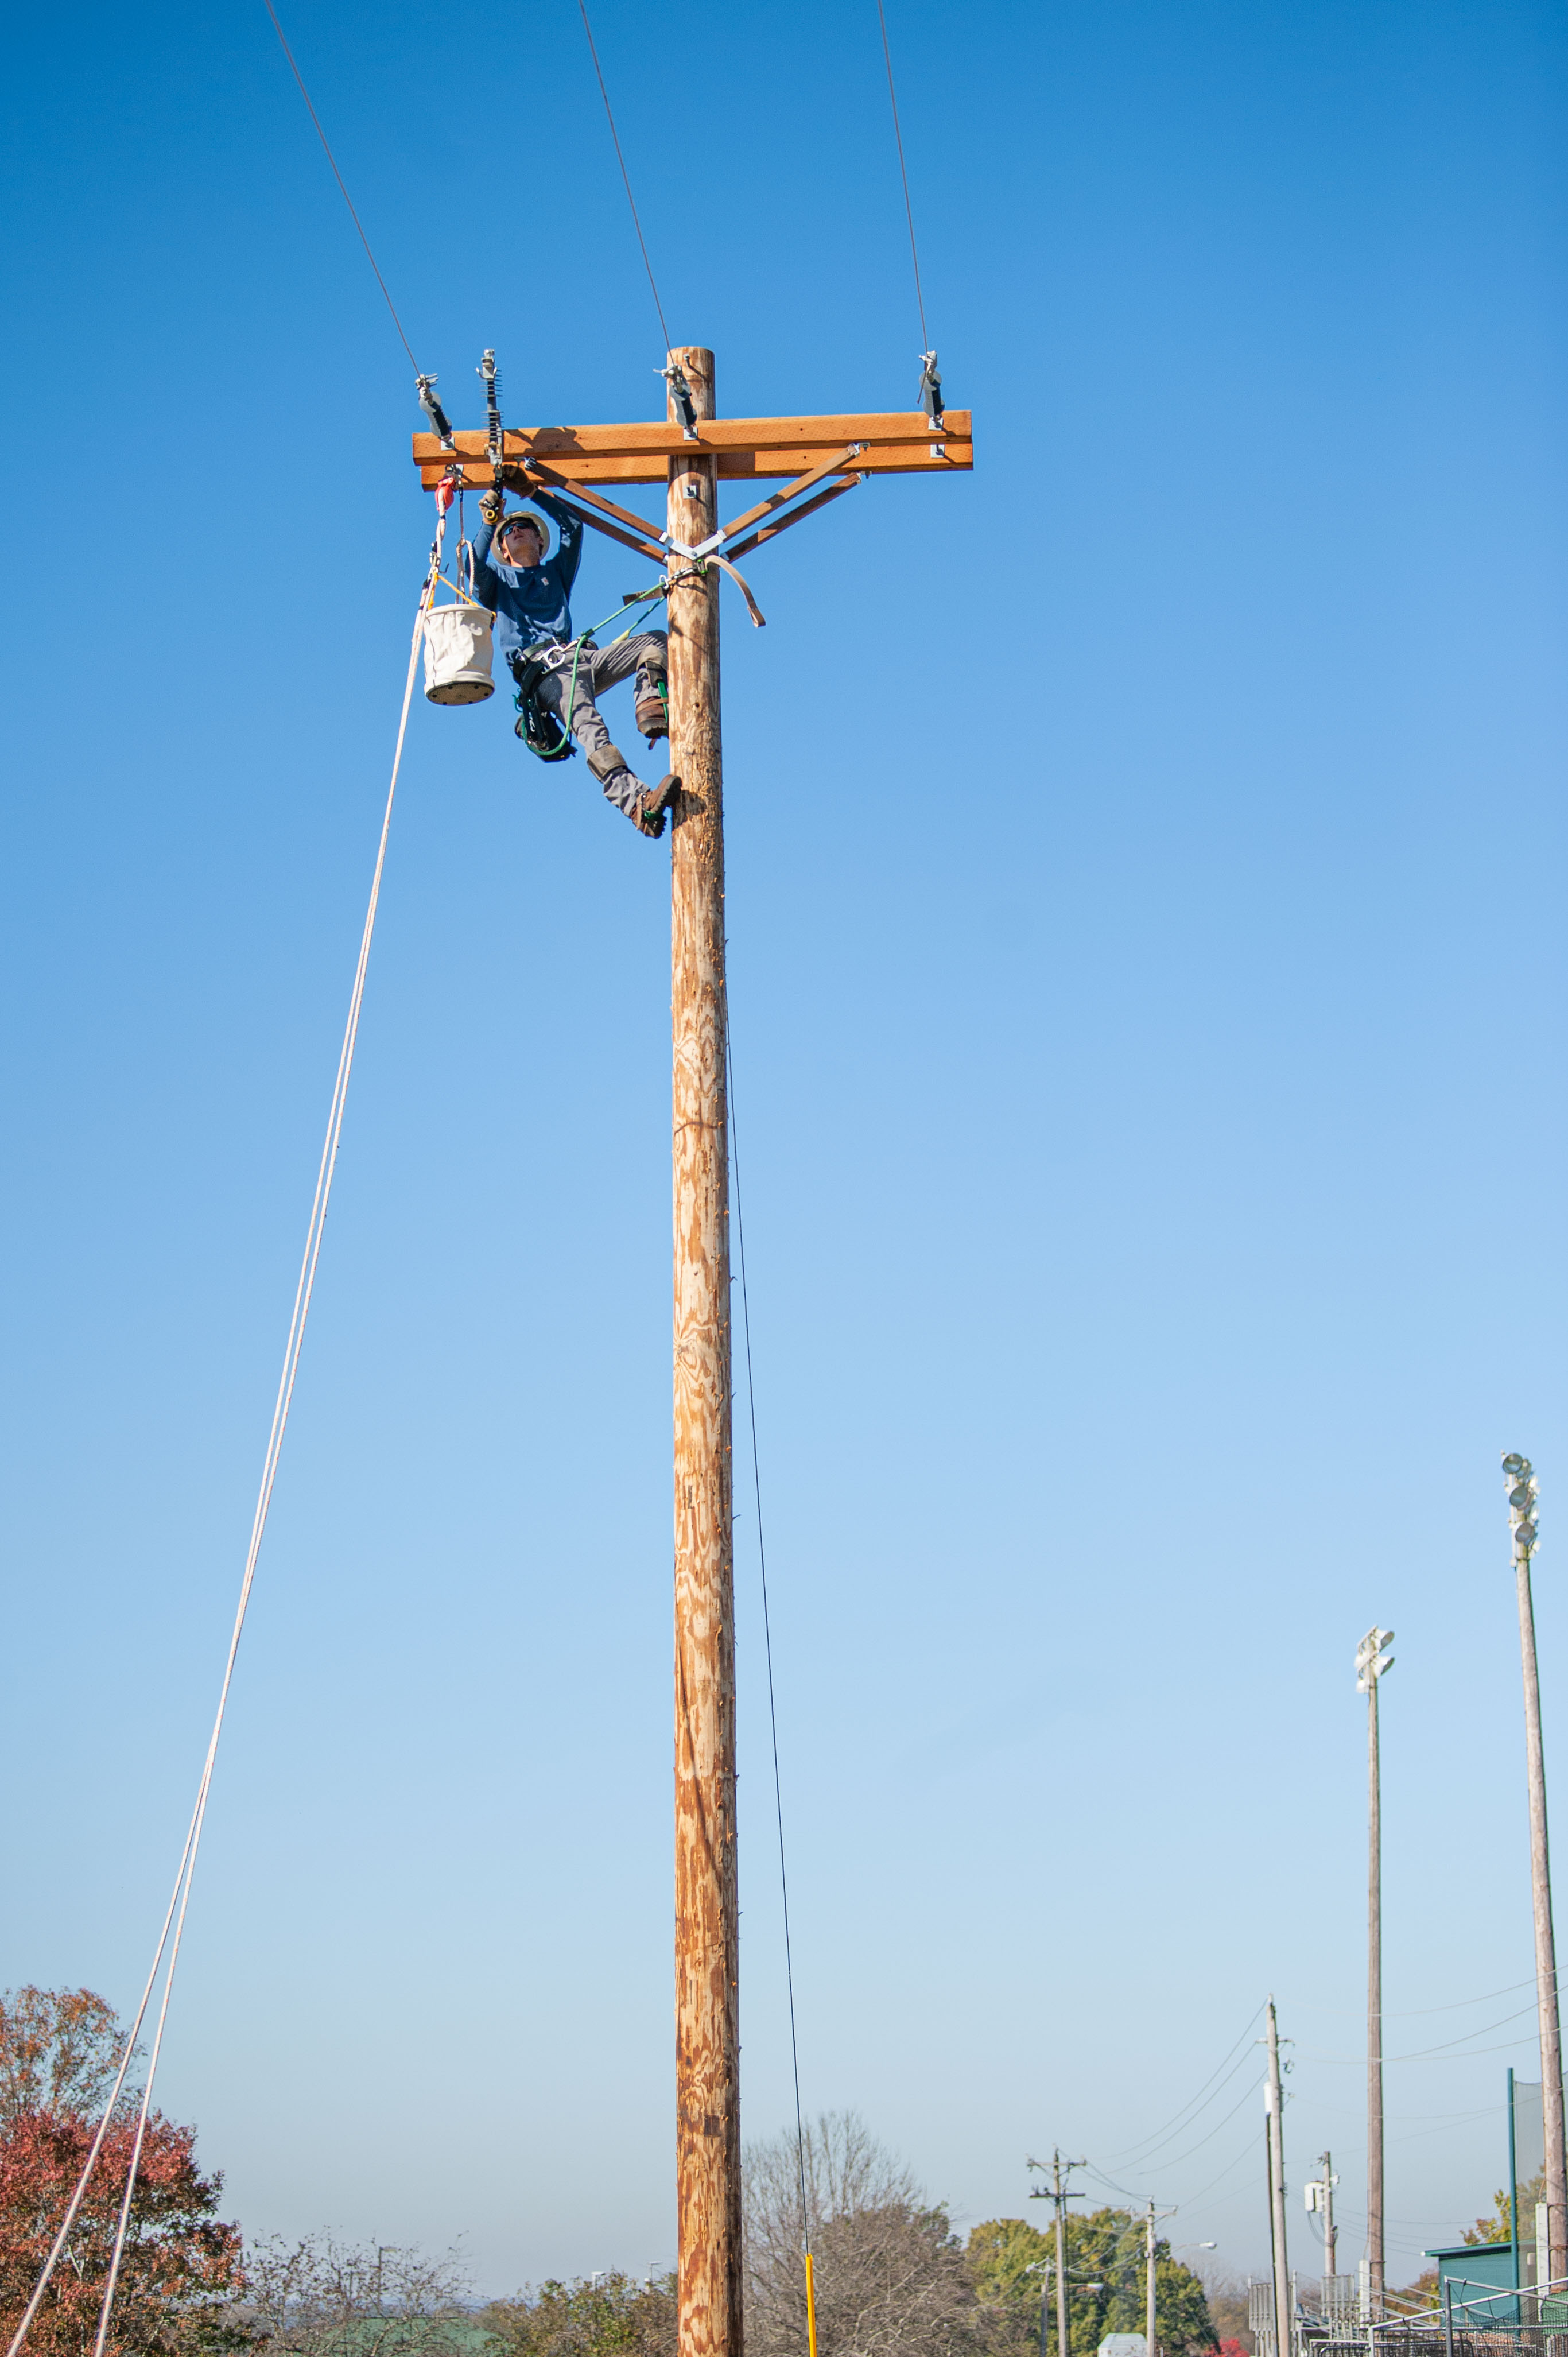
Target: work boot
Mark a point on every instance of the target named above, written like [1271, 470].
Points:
[653, 706]
[652, 805]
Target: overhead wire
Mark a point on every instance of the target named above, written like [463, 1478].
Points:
[180, 1900]
[626, 176]
[767, 1652]
[1414, 2013]
[1189, 2109]
[1426, 2053]
[903, 174]
[342, 184]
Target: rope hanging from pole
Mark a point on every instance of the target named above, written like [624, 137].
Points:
[175, 1919]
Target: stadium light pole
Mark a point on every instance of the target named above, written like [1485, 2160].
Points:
[1372, 1659]
[1523, 1494]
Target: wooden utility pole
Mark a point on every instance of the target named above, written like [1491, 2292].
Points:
[1523, 1492]
[1329, 2230]
[1277, 2192]
[1371, 1661]
[1064, 2344]
[707, 1923]
[817, 460]
[1058, 2191]
[1149, 2284]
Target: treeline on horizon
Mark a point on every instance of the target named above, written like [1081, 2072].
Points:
[892, 2277]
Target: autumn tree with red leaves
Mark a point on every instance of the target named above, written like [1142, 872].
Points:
[182, 2271]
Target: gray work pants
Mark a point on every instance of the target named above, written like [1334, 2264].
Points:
[598, 668]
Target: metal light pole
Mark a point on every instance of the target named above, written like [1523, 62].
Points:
[1372, 1660]
[1524, 1492]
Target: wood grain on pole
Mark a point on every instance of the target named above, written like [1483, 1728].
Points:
[1545, 1943]
[707, 2023]
[1374, 1997]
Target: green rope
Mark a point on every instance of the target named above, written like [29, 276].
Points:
[642, 597]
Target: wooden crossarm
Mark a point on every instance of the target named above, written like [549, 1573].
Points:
[900, 442]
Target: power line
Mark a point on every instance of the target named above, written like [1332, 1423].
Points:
[626, 176]
[904, 176]
[338, 176]
[1425, 2053]
[767, 1633]
[1182, 2118]
[1414, 2013]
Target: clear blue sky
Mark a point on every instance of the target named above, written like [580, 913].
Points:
[1146, 907]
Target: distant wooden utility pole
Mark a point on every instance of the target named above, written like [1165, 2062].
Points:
[707, 1918]
[1372, 1660]
[1149, 2284]
[1058, 2192]
[1277, 2192]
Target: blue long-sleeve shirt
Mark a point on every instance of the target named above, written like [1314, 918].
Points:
[530, 603]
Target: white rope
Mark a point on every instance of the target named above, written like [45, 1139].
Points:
[180, 1898]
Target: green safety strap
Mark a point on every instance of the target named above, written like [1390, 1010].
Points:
[643, 597]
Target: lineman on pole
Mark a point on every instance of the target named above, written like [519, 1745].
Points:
[530, 595]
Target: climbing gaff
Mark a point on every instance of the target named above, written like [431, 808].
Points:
[425, 387]
[497, 439]
[931, 395]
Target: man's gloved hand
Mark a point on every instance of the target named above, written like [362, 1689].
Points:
[491, 507]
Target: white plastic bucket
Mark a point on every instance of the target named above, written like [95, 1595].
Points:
[457, 654]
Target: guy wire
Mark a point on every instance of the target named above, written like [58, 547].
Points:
[338, 176]
[766, 1638]
[903, 174]
[626, 176]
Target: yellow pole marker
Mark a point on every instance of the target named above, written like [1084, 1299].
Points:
[810, 2309]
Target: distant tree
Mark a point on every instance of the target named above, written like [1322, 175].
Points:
[609, 2315]
[320, 2297]
[59, 2050]
[890, 2274]
[1226, 2292]
[1417, 2298]
[1498, 2227]
[1105, 2269]
[182, 2269]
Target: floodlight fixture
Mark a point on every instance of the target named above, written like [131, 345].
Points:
[1372, 1658]
[1524, 1491]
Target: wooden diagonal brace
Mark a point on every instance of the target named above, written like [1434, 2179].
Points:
[828, 466]
[771, 531]
[561, 483]
[645, 546]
